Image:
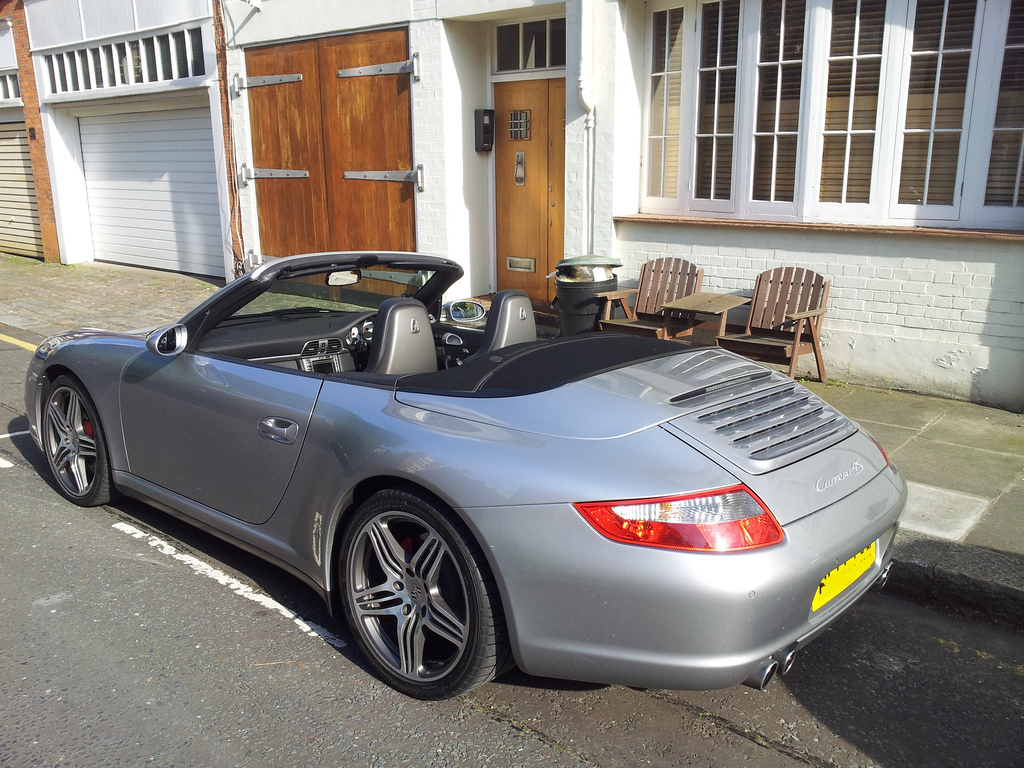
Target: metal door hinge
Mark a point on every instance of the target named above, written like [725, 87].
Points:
[412, 66]
[246, 174]
[239, 83]
[415, 175]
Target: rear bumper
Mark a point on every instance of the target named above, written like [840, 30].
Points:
[582, 607]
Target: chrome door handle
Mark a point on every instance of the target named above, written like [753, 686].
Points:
[520, 169]
[279, 430]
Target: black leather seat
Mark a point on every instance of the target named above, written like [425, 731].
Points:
[510, 321]
[403, 341]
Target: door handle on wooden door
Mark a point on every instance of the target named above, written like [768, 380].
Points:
[520, 170]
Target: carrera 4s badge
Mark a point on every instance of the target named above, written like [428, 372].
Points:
[824, 483]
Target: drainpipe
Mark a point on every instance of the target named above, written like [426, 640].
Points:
[588, 101]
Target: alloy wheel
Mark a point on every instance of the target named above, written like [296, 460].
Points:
[70, 435]
[407, 593]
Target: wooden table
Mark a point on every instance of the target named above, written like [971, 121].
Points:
[709, 303]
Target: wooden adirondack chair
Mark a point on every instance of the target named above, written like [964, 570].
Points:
[786, 315]
[661, 280]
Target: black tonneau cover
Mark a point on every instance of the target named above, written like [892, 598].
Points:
[540, 365]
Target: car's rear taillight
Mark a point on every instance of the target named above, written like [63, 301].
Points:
[885, 455]
[724, 520]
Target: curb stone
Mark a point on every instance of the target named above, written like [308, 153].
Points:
[980, 582]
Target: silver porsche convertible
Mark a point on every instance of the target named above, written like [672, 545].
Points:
[599, 507]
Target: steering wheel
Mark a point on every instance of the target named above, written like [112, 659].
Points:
[358, 341]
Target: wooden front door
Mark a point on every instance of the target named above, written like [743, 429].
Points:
[529, 175]
[330, 121]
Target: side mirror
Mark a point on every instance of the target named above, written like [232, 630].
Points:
[465, 311]
[167, 341]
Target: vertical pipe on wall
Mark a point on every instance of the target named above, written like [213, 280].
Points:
[588, 102]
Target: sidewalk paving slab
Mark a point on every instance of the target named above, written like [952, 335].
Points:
[954, 467]
[1004, 519]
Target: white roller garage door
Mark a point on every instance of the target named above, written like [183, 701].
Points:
[152, 187]
[19, 217]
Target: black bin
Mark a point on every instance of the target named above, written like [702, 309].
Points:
[577, 282]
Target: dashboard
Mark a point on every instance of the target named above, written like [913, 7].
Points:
[320, 342]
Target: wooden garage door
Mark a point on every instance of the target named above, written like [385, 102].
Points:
[19, 217]
[326, 124]
[152, 188]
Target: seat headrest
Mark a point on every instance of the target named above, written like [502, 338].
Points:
[510, 321]
[403, 340]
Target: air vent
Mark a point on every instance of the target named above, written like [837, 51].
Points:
[760, 421]
[320, 347]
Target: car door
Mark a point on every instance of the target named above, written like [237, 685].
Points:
[222, 432]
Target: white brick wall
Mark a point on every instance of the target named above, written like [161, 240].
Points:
[939, 315]
[238, 109]
[426, 39]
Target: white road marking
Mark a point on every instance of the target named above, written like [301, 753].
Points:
[14, 434]
[5, 464]
[244, 590]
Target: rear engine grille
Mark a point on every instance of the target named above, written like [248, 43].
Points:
[755, 417]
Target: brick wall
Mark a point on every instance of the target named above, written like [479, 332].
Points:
[941, 314]
[15, 10]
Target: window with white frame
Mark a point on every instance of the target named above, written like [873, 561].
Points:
[10, 90]
[779, 79]
[1006, 162]
[884, 111]
[851, 100]
[530, 45]
[716, 100]
[666, 78]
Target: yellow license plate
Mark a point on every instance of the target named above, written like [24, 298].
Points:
[839, 578]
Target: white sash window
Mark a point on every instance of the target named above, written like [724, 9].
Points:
[900, 112]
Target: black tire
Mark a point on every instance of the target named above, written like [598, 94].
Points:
[74, 443]
[419, 597]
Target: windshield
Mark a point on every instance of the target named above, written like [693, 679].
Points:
[344, 291]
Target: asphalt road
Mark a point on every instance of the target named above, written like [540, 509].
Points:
[129, 638]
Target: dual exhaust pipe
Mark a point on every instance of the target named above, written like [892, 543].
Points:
[782, 661]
